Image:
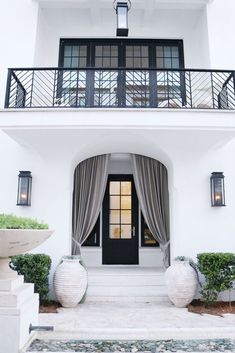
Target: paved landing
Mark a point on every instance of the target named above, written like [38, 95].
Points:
[145, 321]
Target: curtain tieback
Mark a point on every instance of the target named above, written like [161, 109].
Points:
[77, 243]
[164, 246]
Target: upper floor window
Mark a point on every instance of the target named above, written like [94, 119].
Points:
[74, 55]
[114, 53]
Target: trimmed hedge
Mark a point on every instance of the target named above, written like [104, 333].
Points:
[8, 221]
[219, 272]
[35, 268]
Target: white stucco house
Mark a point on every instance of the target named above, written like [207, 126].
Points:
[71, 90]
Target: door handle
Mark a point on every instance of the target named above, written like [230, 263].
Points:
[133, 231]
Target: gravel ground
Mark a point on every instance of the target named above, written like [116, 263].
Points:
[212, 345]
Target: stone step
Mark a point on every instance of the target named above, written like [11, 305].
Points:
[127, 284]
[126, 291]
[17, 296]
[128, 299]
[9, 284]
[128, 280]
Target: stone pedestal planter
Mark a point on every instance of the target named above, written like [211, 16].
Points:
[70, 281]
[181, 282]
[18, 302]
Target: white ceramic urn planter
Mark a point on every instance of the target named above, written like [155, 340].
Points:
[181, 282]
[70, 281]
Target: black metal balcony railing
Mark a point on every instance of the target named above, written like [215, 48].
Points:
[120, 88]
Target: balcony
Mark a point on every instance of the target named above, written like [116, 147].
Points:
[120, 88]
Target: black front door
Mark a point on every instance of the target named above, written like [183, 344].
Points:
[120, 222]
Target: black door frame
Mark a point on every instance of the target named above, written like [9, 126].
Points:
[120, 251]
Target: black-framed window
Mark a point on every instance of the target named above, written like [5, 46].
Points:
[74, 56]
[129, 53]
[94, 237]
[133, 87]
[167, 57]
[137, 56]
[147, 239]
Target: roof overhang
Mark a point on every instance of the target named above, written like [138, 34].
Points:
[137, 4]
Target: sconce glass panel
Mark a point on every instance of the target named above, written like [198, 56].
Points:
[217, 189]
[24, 188]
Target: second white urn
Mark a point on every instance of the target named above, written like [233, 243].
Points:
[181, 282]
[70, 282]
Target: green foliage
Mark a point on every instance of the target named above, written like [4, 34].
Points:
[219, 272]
[14, 222]
[35, 268]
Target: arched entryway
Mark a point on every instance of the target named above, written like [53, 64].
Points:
[109, 215]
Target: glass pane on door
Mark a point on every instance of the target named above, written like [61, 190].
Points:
[120, 210]
[137, 81]
[105, 81]
[71, 84]
[169, 83]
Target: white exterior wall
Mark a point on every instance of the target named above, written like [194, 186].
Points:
[189, 25]
[18, 28]
[220, 16]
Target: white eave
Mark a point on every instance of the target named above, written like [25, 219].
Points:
[136, 4]
[79, 118]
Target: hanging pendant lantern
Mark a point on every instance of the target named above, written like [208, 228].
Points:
[217, 189]
[122, 8]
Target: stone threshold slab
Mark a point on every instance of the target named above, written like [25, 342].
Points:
[140, 334]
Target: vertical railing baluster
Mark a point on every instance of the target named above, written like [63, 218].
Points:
[90, 88]
[8, 88]
[153, 88]
[77, 104]
[212, 90]
[183, 86]
[168, 88]
[190, 89]
[123, 74]
[54, 88]
[233, 75]
[31, 94]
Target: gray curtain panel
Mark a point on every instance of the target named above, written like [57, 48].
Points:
[151, 183]
[90, 179]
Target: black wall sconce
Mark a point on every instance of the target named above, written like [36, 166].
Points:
[24, 188]
[122, 8]
[217, 189]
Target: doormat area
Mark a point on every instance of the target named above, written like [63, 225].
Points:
[209, 345]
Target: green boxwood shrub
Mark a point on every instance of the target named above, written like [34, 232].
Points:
[13, 222]
[35, 268]
[219, 272]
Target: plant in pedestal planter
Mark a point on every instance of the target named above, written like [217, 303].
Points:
[9, 221]
[17, 236]
[181, 281]
[70, 281]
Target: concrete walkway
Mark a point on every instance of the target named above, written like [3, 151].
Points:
[135, 321]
